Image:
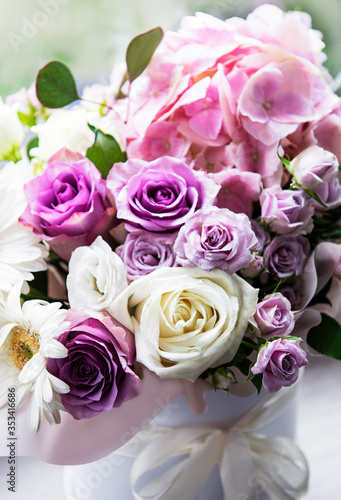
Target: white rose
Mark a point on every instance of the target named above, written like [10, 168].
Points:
[186, 320]
[11, 133]
[96, 276]
[63, 129]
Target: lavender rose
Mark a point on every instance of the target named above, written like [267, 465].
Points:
[286, 255]
[330, 194]
[273, 316]
[279, 361]
[314, 167]
[98, 367]
[142, 253]
[161, 195]
[215, 237]
[67, 203]
[287, 211]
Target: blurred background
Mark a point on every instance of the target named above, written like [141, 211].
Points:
[90, 36]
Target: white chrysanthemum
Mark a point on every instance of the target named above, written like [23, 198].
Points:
[26, 339]
[63, 129]
[16, 175]
[11, 133]
[96, 276]
[21, 252]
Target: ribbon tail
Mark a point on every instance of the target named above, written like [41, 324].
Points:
[236, 468]
[186, 478]
[281, 468]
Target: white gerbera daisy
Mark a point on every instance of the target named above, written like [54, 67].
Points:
[21, 252]
[27, 334]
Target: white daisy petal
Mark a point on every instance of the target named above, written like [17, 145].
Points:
[21, 393]
[26, 340]
[47, 389]
[54, 349]
[32, 369]
[5, 330]
[35, 416]
[21, 252]
[58, 385]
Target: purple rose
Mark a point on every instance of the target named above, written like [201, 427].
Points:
[314, 167]
[161, 195]
[287, 211]
[286, 255]
[215, 237]
[279, 361]
[67, 203]
[274, 317]
[98, 367]
[330, 194]
[142, 253]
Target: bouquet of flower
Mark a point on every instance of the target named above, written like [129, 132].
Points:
[183, 220]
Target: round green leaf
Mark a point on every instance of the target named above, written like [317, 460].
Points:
[55, 85]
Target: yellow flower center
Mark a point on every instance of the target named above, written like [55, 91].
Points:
[23, 345]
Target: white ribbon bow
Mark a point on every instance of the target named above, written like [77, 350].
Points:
[248, 463]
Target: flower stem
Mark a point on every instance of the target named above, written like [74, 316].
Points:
[251, 345]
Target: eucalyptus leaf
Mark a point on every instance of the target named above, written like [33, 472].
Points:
[325, 338]
[56, 86]
[140, 51]
[104, 152]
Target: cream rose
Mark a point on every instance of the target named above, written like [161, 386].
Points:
[186, 320]
[96, 276]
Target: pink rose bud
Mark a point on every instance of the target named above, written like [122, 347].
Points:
[314, 167]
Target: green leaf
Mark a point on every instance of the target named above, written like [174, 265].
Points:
[315, 196]
[326, 337]
[284, 161]
[140, 51]
[34, 143]
[104, 152]
[56, 86]
[257, 381]
[27, 119]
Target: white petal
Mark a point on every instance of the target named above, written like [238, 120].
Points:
[58, 385]
[35, 415]
[5, 330]
[54, 349]
[47, 389]
[32, 369]
[21, 393]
